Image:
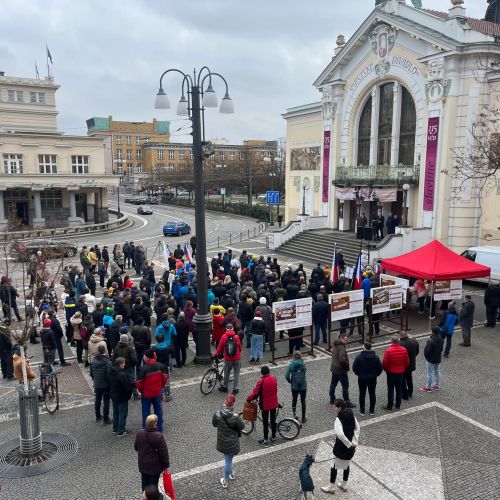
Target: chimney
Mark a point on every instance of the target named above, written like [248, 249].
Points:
[2, 73]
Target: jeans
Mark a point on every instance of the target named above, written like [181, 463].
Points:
[139, 351]
[102, 395]
[447, 337]
[180, 354]
[317, 328]
[433, 371]
[131, 378]
[344, 381]
[371, 385]
[245, 326]
[265, 422]
[147, 479]
[120, 413]
[295, 395]
[394, 383]
[157, 410]
[407, 387]
[228, 465]
[60, 350]
[228, 366]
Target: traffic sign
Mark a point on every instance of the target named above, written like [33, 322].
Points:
[272, 197]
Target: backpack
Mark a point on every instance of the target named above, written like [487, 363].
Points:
[299, 375]
[231, 347]
[84, 334]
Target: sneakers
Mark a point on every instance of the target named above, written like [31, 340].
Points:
[435, 387]
[106, 421]
[348, 404]
[342, 485]
[223, 482]
[232, 476]
[264, 442]
[272, 441]
[329, 489]
[372, 414]
[124, 433]
[222, 389]
[362, 413]
[425, 389]
[98, 419]
[387, 408]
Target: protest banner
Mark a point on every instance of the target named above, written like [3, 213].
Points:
[292, 313]
[346, 304]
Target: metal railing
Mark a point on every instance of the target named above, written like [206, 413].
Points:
[377, 174]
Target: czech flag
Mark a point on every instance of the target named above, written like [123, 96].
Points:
[335, 267]
[356, 275]
[166, 254]
[187, 253]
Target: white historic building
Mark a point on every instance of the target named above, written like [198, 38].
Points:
[397, 99]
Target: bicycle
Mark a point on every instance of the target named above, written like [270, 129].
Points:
[288, 428]
[212, 376]
[49, 387]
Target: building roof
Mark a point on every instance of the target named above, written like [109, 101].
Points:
[486, 27]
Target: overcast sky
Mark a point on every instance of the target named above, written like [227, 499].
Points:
[108, 54]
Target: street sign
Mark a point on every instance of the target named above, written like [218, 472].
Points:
[272, 197]
[223, 191]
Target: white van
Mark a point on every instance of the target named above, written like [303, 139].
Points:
[487, 256]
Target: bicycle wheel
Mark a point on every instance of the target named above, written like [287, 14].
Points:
[51, 396]
[209, 381]
[249, 426]
[288, 428]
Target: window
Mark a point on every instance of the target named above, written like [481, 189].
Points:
[41, 97]
[37, 97]
[19, 96]
[47, 164]
[130, 168]
[51, 198]
[139, 154]
[119, 169]
[119, 140]
[171, 154]
[181, 155]
[160, 154]
[138, 141]
[222, 155]
[80, 164]
[231, 155]
[11, 95]
[127, 140]
[212, 156]
[32, 96]
[407, 129]
[470, 254]
[138, 168]
[385, 124]
[171, 166]
[129, 154]
[13, 163]
[242, 155]
[262, 155]
[118, 154]
[364, 132]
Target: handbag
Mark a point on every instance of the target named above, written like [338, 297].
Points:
[168, 484]
[250, 411]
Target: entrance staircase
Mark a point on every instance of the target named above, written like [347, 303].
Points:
[317, 246]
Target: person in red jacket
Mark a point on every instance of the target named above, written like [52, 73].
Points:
[230, 348]
[150, 383]
[217, 326]
[395, 363]
[266, 391]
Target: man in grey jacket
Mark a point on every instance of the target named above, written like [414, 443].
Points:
[466, 320]
[100, 373]
[340, 369]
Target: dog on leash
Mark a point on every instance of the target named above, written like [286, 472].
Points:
[306, 482]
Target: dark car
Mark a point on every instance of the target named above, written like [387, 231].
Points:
[145, 209]
[51, 249]
[176, 228]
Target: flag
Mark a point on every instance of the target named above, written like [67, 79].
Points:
[49, 55]
[334, 277]
[187, 253]
[36, 72]
[356, 275]
[166, 254]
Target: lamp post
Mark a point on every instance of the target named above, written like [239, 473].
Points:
[199, 97]
[406, 188]
[305, 186]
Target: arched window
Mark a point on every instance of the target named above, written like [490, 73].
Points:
[364, 132]
[407, 129]
[385, 124]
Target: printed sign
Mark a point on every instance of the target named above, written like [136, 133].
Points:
[447, 289]
[326, 164]
[305, 158]
[292, 314]
[430, 163]
[272, 197]
[386, 298]
[387, 280]
[346, 304]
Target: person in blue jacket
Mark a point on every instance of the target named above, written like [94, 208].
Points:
[447, 327]
[168, 330]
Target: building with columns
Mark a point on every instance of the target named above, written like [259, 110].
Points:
[48, 179]
[398, 101]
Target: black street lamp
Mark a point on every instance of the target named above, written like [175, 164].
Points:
[193, 86]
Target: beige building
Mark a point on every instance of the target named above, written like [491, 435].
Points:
[398, 100]
[48, 179]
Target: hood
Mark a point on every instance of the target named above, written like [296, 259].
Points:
[338, 342]
[231, 333]
[95, 339]
[161, 346]
[226, 412]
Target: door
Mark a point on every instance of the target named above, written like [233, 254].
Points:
[352, 216]
[22, 212]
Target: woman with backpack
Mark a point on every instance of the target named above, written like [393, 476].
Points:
[296, 376]
[230, 348]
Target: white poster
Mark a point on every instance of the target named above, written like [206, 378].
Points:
[388, 280]
[386, 298]
[447, 289]
[292, 314]
[346, 304]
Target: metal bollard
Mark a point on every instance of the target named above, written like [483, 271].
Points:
[218, 242]
[248, 233]
[230, 238]
[254, 232]
[241, 236]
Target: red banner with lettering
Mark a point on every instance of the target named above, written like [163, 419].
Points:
[326, 165]
[430, 163]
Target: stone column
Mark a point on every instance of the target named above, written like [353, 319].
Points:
[374, 127]
[396, 123]
[91, 206]
[38, 221]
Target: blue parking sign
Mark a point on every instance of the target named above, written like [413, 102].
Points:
[272, 197]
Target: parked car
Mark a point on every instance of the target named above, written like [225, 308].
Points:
[139, 200]
[487, 256]
[24, 250]
[176, 228]
[128, 199]
[145, 210]
[153, 200]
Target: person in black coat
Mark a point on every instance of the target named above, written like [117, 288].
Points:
[90, 282]
[139, 310]
[121, 391]
[98, 315]
[58, 335]
[492, 303]
[6, 352]
[432, 353]
[367, 366]
[413, 348]
[320, 312]
[48, 342]
[181, 341]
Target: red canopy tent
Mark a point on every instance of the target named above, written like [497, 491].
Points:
[434, 262]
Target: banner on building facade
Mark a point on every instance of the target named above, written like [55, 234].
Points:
[386, 195]
[386, 298]
[430, 163]
[345, 193]
[388, 280]
[305, 158]
[447, 289]
[326, 164]
[292, 314]
[346, 304]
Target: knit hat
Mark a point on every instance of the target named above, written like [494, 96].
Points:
[258, 314]
[265, 370]
[262, 300]
[230, 400]
[123, 338]
[47, 323]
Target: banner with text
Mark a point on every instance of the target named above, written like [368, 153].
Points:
[346, 304]
[326, 165]
[430, 163]
[292, 314]
[447, 289]
[388, 280]
[386, 298]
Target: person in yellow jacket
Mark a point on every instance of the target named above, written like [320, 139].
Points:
[18, 366]
[93, 259]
